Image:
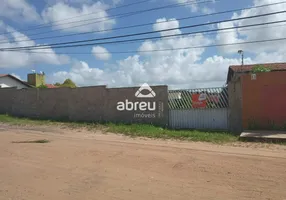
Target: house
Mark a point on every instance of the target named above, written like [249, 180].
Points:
[8, 81]
[33, 80]
[246, 69]
[257, 99]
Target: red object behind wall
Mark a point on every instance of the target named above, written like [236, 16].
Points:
[198, 101]
[274, 104]
[264, 99]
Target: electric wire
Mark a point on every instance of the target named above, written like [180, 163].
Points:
[57, 45]
[139, 25]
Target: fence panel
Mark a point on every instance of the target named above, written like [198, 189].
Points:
[198, 98]
[199, 109]
[212, 119]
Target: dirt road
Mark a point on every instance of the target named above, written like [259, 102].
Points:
[87, 166]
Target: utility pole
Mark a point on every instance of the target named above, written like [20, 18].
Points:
[242, 56]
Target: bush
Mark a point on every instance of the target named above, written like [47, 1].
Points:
[42, 86]
[259, 68]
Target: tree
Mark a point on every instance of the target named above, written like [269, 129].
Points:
[42, 86]
[68, 83]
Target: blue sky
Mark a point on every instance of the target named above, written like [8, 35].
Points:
[204, 67]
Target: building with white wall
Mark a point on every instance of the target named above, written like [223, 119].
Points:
[9, 81]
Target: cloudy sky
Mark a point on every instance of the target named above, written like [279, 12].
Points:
[30, 22]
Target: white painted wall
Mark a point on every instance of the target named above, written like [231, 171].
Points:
[6, 82]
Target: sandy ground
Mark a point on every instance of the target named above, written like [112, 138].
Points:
[82, 165]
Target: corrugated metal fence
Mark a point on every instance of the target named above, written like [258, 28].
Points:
[199, 109]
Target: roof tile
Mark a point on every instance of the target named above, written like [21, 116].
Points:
[248, 68]
[51, 86]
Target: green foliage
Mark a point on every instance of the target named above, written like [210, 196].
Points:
[42, 86]
[140, 130]
[260, 68]
[68, 83]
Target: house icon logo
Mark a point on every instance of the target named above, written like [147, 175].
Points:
[145, 86]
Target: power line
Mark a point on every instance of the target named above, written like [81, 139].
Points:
[207, 46]
[167, 36]
[146, 24]
[108, 18]
[172, 49]
[164, 37]
[54, 45]
[207, 32]
[163, 7]
[92, 13]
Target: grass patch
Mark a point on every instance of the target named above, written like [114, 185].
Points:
[139, 130]
[23, 121]
[33, 141]
[133, 130]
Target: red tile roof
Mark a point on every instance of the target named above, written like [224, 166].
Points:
[51, 86]
[247, 68]
[2, 75]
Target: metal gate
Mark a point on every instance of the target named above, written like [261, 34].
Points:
[199, 109]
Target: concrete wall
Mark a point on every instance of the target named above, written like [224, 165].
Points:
[7, 96]
[264, 100]
[89, 102]
[235, 105]
[7, 81]
[97, 104]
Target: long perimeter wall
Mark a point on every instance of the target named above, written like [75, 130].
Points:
[91, 104]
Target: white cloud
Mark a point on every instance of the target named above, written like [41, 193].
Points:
[61, 11]
[80, 73]
[17, 76]
[23, 59]
[255, 33]
[18, 10]
[207, 10]
[195, 5]
[179, 69]
[116, 2]
[51, 2]
[133, 71]
[163, 24]
[101, 53]
[186, 68]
